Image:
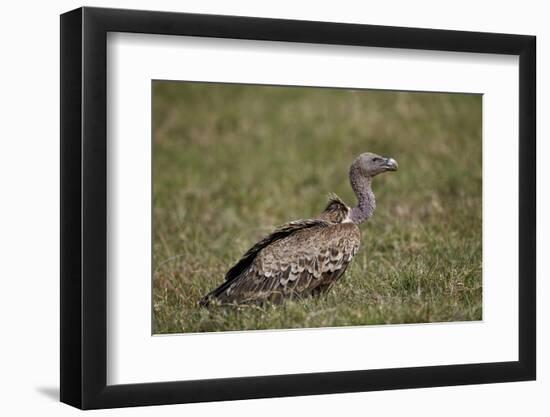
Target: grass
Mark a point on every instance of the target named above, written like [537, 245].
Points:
[231, 162]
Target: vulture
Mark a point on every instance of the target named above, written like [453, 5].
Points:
[305, 257]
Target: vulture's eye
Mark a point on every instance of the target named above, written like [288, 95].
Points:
[376, 159]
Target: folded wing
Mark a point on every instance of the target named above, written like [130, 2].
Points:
[298, 259]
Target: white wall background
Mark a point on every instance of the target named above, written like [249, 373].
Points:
[29, 225]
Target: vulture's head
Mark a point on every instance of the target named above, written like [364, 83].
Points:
[369, 164]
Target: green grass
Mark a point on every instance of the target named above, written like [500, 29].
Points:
[231, 162]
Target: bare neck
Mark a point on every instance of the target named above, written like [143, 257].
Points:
[365, 197]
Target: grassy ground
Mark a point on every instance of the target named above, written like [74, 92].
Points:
[232, 162]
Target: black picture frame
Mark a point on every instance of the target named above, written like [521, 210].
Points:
[84, 207]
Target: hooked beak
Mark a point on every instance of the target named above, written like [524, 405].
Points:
[391, 164]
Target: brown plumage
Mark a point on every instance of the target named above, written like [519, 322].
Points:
[305, 257]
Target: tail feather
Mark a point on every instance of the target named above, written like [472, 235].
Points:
[214, 294]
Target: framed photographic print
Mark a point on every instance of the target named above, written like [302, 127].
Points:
[258, 207]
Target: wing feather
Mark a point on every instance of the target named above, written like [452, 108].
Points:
[297, 262]
[233, 277]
